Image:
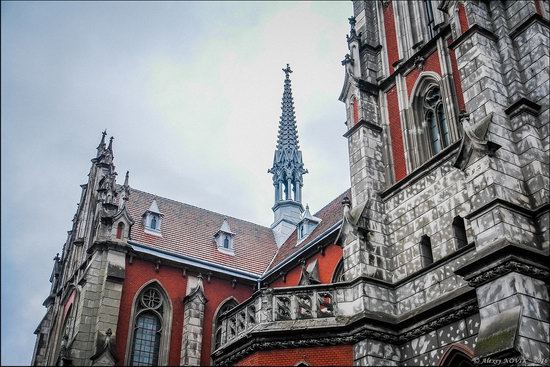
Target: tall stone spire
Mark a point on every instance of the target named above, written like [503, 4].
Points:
[287, 169]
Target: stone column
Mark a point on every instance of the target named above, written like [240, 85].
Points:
[193, 318]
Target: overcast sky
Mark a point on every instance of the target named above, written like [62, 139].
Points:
[191, 92]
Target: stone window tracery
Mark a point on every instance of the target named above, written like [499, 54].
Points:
[436, 121]
[150, 328]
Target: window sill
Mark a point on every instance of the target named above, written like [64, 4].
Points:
[153, 232]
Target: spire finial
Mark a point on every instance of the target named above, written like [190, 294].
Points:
[126, 178]
[101, 145]
[110, 147]
[352, 31]
[287, 71]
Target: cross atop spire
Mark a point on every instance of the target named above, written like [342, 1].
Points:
[287, 71]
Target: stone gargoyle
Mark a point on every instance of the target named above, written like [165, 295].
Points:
[355, 224]
[474, 140]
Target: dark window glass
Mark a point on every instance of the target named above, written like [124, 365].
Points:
[459, 230]
[153, 222]
[146, 340]
[119, 230]
[226, 242]
[426, 255]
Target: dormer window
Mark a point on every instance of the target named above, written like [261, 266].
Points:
[307, 225]
[224, 238]
[152, 220]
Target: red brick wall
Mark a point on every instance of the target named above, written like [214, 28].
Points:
[137, 274]
[217, 290]
[338, 355]
[391, 36]
[327, 265]
[430, 64]
[462, 18]
[397, 146]
[457, 81]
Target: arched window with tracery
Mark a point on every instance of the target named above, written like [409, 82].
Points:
[339, 273]
[150, 328]
[428, 126]
[218, 326]
[436, 121]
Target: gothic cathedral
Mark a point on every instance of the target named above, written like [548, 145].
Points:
[436, 255]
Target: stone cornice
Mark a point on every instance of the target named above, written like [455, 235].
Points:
[476, 28]
[505, 257]
[535, 17]
[530, 213]
[508, 267]
[361, 123]
[523, 105]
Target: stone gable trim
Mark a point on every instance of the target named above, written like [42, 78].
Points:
[534, 18]
[476, 28]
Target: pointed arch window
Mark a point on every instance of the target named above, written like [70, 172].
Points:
[149, 334]
[119, 230]
[218, 326]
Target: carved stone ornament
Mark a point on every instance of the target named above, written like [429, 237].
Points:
[310, 274]
[304, 306]
[283, 308]
[474, 140]
[419, 63]
[106, 354]
[385, 3]
[355, 224]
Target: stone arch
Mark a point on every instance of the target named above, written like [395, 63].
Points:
[457, 355]
[228, 301]
[418, 129]
[166, 321]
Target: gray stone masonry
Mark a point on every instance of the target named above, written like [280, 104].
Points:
[503, 63]
[193, 318]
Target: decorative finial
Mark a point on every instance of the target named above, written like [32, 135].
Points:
[126, 178]
[56, 258]
[352, 22]
[352, 32]
[104, 133]
[287, 71]
[110, 147]
[109, 332]
[346, 201]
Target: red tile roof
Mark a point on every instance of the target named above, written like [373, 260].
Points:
[189, 231]
[330, 214]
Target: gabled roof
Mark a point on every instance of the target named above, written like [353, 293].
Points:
[188, 230]
[329, 215]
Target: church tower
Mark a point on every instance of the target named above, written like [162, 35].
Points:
[287, 169]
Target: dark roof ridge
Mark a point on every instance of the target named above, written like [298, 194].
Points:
[198, 207]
